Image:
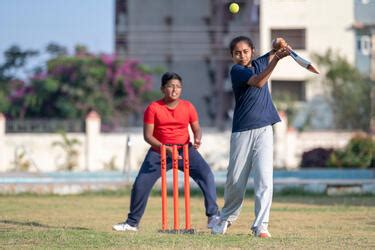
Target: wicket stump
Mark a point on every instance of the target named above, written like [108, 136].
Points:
[163, 162]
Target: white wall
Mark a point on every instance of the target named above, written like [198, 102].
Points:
[96, 149]
[327, 25]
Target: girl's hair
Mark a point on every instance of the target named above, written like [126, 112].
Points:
[167, 76]
[240, 39]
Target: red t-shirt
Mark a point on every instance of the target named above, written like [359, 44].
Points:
[171, 125]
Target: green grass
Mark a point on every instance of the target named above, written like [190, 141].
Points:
[84, 221]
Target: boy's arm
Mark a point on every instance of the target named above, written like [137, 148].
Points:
[148, 135]
[197, 131]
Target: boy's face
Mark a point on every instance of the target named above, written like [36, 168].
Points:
[242, 53]
[172, 90]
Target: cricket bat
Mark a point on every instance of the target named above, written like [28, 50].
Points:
[304, 63]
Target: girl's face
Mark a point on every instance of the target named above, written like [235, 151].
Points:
[172, 90]
[242, 53]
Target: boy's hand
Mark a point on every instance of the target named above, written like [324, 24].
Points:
[170, 152]
[197, 143]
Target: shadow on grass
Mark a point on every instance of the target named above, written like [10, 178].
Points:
[37, 224]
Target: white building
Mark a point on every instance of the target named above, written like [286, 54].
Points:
[309, 26]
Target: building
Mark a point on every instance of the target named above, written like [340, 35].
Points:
[190, 38]
[364, 28]
[309, 26]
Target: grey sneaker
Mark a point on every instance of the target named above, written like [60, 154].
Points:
[221, 227]
[124, 227]
[212, 221]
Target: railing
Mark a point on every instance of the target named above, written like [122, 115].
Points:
[121, 125]
[44, 126]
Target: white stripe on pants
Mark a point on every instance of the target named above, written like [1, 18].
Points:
[250, 150]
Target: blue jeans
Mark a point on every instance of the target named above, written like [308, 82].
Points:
[150, 173]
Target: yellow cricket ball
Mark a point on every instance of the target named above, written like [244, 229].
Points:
[234, 8]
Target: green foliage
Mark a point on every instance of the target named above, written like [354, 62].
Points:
[70, 86]
[4, 102]
[15, 58]
[55, 49]
[317, 157]
[360, 152]
[151, 96]
[71, 152]
[111, 164]
[350, 92]
[21, 162]
[148, 70]
[286, 103]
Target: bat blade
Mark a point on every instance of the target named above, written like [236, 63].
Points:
[304, 63]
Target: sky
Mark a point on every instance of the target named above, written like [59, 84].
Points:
[32, 24]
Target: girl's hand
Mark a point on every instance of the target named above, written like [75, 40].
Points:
[282, 52]
[279, 43]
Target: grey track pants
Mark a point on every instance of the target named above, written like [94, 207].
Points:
[250, 150]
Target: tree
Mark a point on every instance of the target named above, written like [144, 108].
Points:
[15, 59]
[69, 86]
[349, 92]
[55, 49]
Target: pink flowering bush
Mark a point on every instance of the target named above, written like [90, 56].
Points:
[71, 86]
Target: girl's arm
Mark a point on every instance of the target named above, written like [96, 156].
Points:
[261, 79]
[278, 52]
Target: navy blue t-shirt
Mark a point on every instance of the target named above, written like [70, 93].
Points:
[254, 107]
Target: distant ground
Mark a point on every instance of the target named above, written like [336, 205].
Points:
[84, 221]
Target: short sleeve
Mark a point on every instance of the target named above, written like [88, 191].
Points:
[149, 115]
[193, 114]
[262, 61]
[240, 75]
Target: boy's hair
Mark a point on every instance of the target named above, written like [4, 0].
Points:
[240, 39]
[167, 76]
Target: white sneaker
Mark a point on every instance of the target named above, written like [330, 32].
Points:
[221, 227]
[212, 221]
[124, 227]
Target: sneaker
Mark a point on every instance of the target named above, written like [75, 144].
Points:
[262, 232]
[221, 227]
[124, 227]
[212, 221]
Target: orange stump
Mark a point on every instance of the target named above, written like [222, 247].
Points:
[187, 186]
[186, 169]
[164, 212]
[176, 225]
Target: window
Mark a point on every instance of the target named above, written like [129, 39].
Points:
[295, 37]
[288, 90]
[365, 45]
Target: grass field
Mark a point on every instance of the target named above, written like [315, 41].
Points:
[84, 221]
